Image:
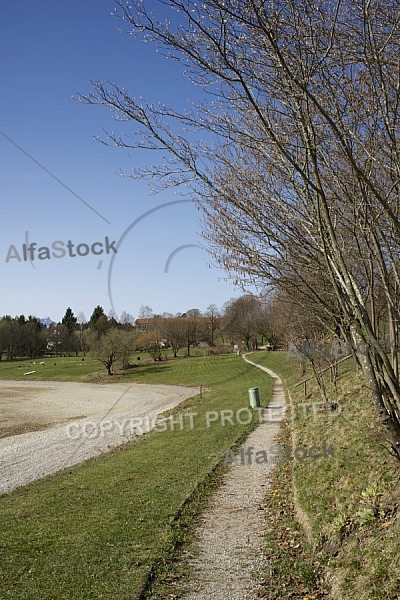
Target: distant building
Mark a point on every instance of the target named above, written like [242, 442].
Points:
[142, 324]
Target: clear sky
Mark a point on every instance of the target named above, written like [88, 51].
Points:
[50, 52]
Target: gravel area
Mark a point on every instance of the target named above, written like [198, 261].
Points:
[67, 423]
[230, 539]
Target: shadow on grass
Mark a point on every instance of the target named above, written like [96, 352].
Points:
[152, 369]
[138, 372]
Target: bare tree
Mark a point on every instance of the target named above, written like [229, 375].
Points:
[3, 336]
[167, 315]
[151, 342]
[90, 337]
[112, 315]
[242, 320]
[113, 348]
[175, 332]
[81, 320]
[213, 315]
[126, 318]
[300, 181]
[146, 312]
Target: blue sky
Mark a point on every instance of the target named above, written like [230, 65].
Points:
[50, 52]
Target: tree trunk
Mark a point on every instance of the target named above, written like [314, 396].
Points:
[393, 336]
[383, 405]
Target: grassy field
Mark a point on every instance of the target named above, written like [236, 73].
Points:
[348, 504]
[54, 369]
[97, 530]
[84, 369]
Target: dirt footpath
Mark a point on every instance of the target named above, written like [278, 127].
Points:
[230, 538]
[46, 426]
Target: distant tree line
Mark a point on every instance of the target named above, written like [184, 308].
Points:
[22, 337]
[243, 321]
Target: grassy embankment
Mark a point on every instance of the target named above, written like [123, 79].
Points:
[99, 529]
[348, 505]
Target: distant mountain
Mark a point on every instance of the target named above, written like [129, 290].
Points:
[46, 321]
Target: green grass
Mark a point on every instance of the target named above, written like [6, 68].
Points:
[84, 369]
[190, 371]
[364, 557]
[55, 369]
[287, 369]
[96, 530]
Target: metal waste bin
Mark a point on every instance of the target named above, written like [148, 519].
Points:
[254, 397]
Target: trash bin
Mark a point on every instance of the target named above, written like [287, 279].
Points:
[254, 397]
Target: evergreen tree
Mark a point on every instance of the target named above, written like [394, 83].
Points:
[96, 314]
[69, 320]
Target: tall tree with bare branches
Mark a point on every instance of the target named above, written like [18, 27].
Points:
[295, 158]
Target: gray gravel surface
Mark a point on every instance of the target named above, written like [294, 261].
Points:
[86, 419]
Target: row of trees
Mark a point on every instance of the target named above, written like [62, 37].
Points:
[29, 337]
[295, 159]
[241, 320]
[22, 337]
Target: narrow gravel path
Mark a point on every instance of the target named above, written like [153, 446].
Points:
[230, 538]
